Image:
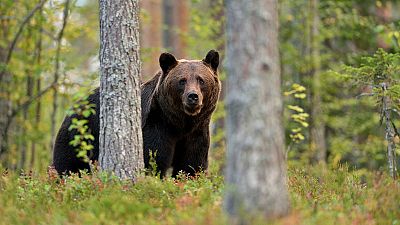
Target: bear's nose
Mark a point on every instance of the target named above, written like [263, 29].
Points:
[193, 98]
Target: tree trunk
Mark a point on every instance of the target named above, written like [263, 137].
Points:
[60, 36]
[151, 36]
[5, 106]
[121, 145]
[181, 27]
[389, 134]
[38, 58]
[24, 143]
[176, 19]
[317, 129]
[29, 93]
[5, 103]
[256, 169]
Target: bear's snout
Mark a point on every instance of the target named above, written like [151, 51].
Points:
[192, 103]
[193, 98]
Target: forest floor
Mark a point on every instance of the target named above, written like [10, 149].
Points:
[318, 196]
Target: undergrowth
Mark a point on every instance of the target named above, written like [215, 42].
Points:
[318, 196]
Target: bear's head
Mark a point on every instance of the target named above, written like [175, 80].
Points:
[189, 86]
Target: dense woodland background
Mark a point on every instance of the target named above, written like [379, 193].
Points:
[340, 66]
[49, 59]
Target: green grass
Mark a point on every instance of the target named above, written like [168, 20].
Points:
[318, 196]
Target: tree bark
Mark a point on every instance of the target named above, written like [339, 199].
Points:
[121, 145]
[317, 128]
[256, 170]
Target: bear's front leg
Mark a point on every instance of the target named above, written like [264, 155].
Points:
[191, 153]
[162, 146]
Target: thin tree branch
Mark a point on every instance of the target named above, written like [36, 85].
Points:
[364, 95]
[26, 103]
[15, 111]
[395, 128]
[49, 34]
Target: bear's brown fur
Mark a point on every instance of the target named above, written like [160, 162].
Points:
[177, 104]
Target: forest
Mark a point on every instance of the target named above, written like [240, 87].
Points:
[305, 130]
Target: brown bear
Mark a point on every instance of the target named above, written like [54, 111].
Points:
[177, 104]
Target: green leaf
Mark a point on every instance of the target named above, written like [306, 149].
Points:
[295, 108]
[301, 96]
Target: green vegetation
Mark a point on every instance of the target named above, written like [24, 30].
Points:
[313, 55]
[82, 139]
[319, 196]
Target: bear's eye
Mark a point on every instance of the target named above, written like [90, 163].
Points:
[201, 81]
[182, 82]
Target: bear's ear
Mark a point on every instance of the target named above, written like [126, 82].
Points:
[212, 59]
[167, 62]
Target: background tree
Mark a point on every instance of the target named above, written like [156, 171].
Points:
[59, 38]
[121, 147]
[256, 168]
[380, 72]
[176, 25]
[151, 36]
[317, 130]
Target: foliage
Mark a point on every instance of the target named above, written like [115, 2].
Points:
[31, 70]
[318, 195]
[102, 199]
[323, 196]
[206, 27]
[379, 76]
[347, 30]
[375, 71]
[83, 136]
[297, 113]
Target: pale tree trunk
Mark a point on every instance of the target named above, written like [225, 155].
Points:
[256, 169]
[176, 19]
[121, 145]
[151, 36]
[317, 140]
[29, 93]
[181, 27]
[389, 133]
[38, 58]
[57, 66]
